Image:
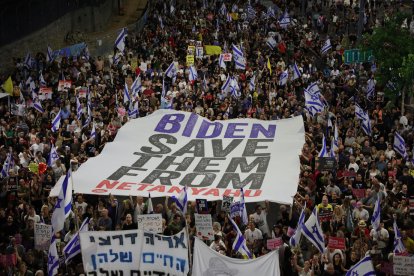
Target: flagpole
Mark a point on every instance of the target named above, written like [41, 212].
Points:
[73, 195]
[190, 262]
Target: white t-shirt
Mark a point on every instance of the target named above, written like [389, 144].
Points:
[261, 222]
[251, 236]
[81, 207]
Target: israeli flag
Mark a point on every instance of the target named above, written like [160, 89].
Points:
[271, 42]
[7, 165]
[239, 244]
[204, 83]
[398, 244]
[234, 88]
[296, 72]
[49, 55]
[313, 103]
[120, 40]
[270, 12]
[326, 47]
[283, 78]
[171, 71]
[311, 229]
[181, 200]
[52, 258]
[335, 145]
[63, 205]
[363, 267]
[127, 98]
[236, 51]
[399, 145]
[370, 88]
[136, 87]
[93, 131]
[161, 23]
[229, 19]
[89, 118]
[313, 89]
[42, 80]
[364, 117]
[294, 240]
[226, 86]
[223, 10]
[79, 110]
[192, 76]
[222, 64]
[234, 8]
[28, 61]
[285, 21]
[73, 247]
[134, 112]
[239, 60]
[324, 151]
[332, 150]
[243, 209]
[376, 215]
[56, 121]
[38, 106]
[53, 156]
[251, 13]
[252, 83]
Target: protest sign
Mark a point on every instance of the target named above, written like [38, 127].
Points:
[204, 226]
[165, 253]
[273, 244]
[202, 206]
[190, 60]
[134, 252]
[235, 209]
[403, 265]
[227, 56]
[64, 85]
[212, 50]
[111, 251]
[150, 222]
[83, 92]
[325, 163]
[226, 203]
[235, 153]
[208, 262]
[336, 243]
[42, 236]
[45, 93]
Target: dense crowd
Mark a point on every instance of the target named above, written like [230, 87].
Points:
[367, 163]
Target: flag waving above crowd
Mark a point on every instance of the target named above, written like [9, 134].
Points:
[216, 137]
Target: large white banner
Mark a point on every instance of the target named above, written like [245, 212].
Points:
[163, 152]
[207, 262]
[134, 252]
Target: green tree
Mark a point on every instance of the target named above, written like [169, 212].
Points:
[393, 49]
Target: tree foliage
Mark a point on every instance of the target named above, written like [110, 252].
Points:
[393, 49]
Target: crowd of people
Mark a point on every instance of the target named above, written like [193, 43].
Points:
[364, 163]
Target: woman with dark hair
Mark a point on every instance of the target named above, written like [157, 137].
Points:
[338, 265]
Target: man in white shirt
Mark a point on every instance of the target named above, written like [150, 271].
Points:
[32, 215]
[380, 236]
[81, 205]
[253, 238]
[260, 219]
[139, 207]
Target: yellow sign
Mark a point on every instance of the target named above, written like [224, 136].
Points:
[190, 60]
[212, 50]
